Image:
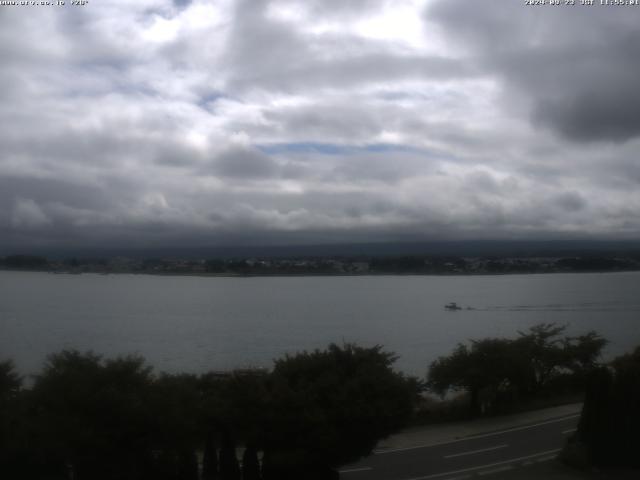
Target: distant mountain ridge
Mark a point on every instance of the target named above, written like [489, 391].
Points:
[500, 248]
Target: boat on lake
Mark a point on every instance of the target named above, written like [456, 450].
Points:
[452, 306]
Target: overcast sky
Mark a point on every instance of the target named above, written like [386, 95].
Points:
[218, 122]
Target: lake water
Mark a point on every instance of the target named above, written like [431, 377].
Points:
[196, 324]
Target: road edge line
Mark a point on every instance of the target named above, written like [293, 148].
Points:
[473, 437]
[471, 469]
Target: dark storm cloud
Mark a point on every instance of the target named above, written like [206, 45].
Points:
[578, 65]
[593, 115]
[41, 210]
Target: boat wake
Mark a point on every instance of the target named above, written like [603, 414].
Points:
[564, 307]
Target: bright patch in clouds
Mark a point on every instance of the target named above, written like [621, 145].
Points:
[161, 30]
[397, 22]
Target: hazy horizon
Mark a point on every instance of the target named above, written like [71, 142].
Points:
[478, 248]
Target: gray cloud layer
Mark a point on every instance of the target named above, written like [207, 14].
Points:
[578, 66]
[204, 123]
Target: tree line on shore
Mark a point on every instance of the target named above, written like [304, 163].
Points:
[87, 417]
[331, 265]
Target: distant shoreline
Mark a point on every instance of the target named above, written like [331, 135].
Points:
[310, 274]
[336, 266]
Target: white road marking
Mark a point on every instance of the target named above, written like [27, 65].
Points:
[476, 451]
[571, 430]
[545, 459]
[496, 470]
[473, 437]
[480, 467]
[353, 470]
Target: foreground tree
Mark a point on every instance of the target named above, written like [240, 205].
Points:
[10, 416]
[250, 464]
[10, 381]
[91, 417]
[486, 367]
[581, 353]
[105, 419]
[229, 466]
[174, 404]
[508, 369]
[542, 348]
[610, 421]
[328, 408]
[210, 458]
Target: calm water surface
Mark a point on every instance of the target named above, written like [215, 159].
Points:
[201, 323]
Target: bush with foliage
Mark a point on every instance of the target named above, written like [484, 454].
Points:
[331, 407]
[610, 419]
[496, 370]
[104, 419]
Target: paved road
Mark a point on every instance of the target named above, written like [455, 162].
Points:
[475, 456]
